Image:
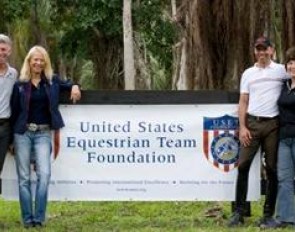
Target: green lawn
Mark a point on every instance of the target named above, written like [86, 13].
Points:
[131, 216]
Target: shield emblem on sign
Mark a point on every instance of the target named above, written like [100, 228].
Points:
[221, 144]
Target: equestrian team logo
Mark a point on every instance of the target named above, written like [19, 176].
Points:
[220, 142]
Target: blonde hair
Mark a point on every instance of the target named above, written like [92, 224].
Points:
[25, 73]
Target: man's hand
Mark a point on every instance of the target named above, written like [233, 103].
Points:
[245, 136]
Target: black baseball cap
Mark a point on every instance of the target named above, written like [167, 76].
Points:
[262, 42]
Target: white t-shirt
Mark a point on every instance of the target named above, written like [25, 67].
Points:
[263, 86]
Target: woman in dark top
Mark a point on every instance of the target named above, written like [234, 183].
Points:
[286, 154]
[34, 114]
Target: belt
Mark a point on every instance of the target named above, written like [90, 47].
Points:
[259, 118]
[37, 127]
[3, 121]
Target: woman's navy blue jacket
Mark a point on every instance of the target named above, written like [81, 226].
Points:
[20, 103]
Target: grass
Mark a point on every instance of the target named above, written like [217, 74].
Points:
[131, 216]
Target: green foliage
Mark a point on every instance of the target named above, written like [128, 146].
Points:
[79, 20]
[152, 21]
[20, 31]
[72, 28]
[86, 79]
[10, 10]
[82, 21]
[160, 76]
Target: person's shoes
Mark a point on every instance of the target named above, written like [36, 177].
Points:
[38, 224]
[261, 220]
[287, 225]
[236, 220]
[270, 223]
[29, 225]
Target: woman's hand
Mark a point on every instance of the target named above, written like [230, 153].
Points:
[75, 93]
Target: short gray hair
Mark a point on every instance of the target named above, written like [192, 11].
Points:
[5, 39]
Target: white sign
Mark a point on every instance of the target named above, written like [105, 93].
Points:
[146, 153]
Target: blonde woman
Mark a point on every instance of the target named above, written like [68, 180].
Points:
[35, 113]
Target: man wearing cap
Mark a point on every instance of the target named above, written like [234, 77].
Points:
[8, 77]
[258, 117]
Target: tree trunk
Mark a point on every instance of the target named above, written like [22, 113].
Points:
[288, 17]
[182, 82]
[219, 39]
[173, 8]
[129, 67]
[106, 55]
[143, 76]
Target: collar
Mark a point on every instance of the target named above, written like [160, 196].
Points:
[7, 73]
[43, 81]
[288, 84]
[271, 65]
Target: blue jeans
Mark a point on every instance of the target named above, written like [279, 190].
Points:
[286, 174]
[37, 146]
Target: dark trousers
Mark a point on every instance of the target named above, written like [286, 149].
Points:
[265, 134]
[4, 141]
